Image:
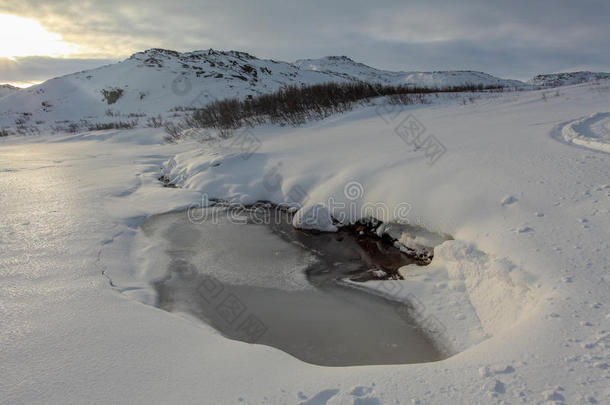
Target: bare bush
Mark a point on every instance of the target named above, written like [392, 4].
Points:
[113, 125]
[111, 96]
[73, 127]
[295, 105]
[154, 122]
[174, 132]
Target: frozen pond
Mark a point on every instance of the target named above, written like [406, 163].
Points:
[254, 278]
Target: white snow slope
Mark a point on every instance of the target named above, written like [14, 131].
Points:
[520, 295]
[343, 66]
[162, 82]
[6, 89]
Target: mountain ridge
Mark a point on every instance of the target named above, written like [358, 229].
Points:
[6, 89]
[161, 82]
[567, 78]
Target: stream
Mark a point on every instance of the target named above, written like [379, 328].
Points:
[253, 277]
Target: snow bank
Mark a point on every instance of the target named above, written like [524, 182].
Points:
[490, 289]
[315, 217]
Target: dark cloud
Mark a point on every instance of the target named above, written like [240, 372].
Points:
[40, 68]
[510, 38]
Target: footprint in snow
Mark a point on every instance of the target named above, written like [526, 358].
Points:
[490, 371]
[367, 401]
[553, 395]
[495, 387]
[508, 200]
[321, 398]
[504, 369]
[363, 395]
[361, 391]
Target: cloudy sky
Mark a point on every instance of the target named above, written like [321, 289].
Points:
[40, 39]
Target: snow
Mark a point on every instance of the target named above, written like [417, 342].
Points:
[525, 313]
[166, 83]
[220, 232]
[6, 89]
[343, 66]
[567, 78]
[591, 132]
[315, 216]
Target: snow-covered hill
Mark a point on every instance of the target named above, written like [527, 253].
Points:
[163, 82]
[342, 66]
[565, 79]
[6, 89]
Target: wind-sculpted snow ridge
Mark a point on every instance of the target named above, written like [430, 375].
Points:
[591, 132]
[566, 79]
[157, 85]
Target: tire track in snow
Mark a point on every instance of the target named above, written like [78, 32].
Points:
[591, 132]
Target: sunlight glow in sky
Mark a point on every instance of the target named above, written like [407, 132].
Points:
[26, 37]
[23, 85]
[514, 39]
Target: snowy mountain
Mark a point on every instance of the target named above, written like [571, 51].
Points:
[167, 83]
[344, 67]
[6, 89]
[565, 79]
